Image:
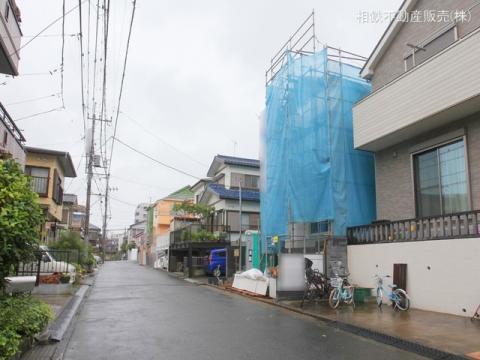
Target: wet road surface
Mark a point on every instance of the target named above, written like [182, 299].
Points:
[135, 312]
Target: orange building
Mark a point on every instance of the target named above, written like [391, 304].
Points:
[162, 217]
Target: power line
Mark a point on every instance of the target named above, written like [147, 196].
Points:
[31, 100]
[82, 66]
[121, 84]
[63, 52]
[161, 140]
[40, 113]
[48, 26]
[157, 161]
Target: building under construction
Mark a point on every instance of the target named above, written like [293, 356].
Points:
[314, 183]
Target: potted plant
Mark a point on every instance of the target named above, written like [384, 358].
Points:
[89, 263]
[64, 278]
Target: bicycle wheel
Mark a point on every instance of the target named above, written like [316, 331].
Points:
[379, 297]
[402, 302]
[350, 292]
[334, 299]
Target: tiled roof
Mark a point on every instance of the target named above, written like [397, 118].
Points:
[233, 160]
[223, 193]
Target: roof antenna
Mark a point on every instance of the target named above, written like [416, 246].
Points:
[235, 145]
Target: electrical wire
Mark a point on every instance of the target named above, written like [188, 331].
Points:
[121, 85]
[161, 140]
[31, 100]
[47, 27]
[157, 161]
[63, 53]
[82, 65]
[40, 113]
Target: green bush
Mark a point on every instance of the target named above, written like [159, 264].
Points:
[20, 316]
[20, 218]
[70, 240]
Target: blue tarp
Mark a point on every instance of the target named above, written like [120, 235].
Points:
[310, 170]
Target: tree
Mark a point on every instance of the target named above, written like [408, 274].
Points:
[71, 240]
[199, 210]
[20, 218]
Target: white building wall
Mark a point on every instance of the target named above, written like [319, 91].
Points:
[442, 275]
[228, 170]
[163, 242]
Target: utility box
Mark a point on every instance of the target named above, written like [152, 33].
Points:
[253, 248]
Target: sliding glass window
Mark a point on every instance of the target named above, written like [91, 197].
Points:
[441, 180]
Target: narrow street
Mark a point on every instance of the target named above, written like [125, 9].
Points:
[134, 312]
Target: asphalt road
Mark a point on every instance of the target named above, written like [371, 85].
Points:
[134, 312]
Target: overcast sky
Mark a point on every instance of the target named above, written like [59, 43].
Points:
[194, 84]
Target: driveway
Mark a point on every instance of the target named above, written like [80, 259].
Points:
[134, 312]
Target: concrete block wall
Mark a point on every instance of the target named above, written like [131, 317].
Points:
[442, 275]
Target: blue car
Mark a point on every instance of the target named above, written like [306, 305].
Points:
[216, 257]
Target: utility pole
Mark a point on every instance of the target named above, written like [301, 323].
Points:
[90, 154]
[104, 230]
[240, 222]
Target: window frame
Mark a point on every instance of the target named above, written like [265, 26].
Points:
[28, 173]
[57, 193]
[8, 9]
[467, 172]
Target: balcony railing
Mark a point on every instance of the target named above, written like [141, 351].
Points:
[40, 185]
[200, 233]
[10, 125]
[458, 225]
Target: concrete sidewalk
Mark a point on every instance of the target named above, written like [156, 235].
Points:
[448, 333]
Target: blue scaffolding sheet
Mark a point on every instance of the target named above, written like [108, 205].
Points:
[310, 170]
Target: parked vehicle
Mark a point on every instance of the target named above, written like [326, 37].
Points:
[342, 291]
[98, 259]
[316, 284]
[217, 257]
[48, 264]
[397, 296]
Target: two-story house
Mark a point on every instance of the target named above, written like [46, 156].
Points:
[231, 178]
[422, 122]
[48, 170]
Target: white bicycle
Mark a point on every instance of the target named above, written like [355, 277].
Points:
[398, 297]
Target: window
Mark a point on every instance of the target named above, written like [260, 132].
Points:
[7, 11]
[430, 48]
[441, 180]
[5, 139]
[250, 221]
[247, 181]
[319, 227]
[40, 178]
[57, 188]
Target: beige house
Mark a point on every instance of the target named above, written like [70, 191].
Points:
[48, 170]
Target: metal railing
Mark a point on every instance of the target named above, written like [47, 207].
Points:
[39, 184]
[10, 125]
[200, 233]
[450, 226]
[48, 262]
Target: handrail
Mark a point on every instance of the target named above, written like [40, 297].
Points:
[448, 226]
[11, 126]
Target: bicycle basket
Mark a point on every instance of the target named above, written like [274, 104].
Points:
[336, 282]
